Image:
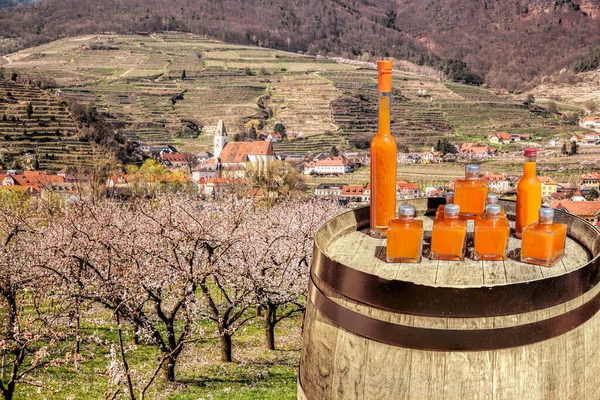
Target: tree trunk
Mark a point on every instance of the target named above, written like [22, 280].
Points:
[226, 347]
[136, 336]
[168, 370]
[270, 321]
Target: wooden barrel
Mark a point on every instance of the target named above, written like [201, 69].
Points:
[446, 329]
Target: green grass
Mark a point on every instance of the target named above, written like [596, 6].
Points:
[256, 373]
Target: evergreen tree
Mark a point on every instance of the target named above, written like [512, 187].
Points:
[29, 110]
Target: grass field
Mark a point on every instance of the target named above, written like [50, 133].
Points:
[254, 374]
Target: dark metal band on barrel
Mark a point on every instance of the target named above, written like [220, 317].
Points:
[485, 301]
[450, 339]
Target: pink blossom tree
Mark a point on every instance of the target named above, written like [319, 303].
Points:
[32, 331]
[278, 252]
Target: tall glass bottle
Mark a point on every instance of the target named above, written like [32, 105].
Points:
[529, 194]
[383, 158]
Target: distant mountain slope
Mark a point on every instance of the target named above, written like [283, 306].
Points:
[12, 3]
[510, 43]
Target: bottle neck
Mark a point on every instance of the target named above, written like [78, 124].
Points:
[530, 166]
[406, 218]
[385, 104]
[471, 175]
[546, 220]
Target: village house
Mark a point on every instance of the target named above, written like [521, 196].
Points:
[328, 166]
[176, 160]
[591, 180]
[475, 150]
[591, 139]
[31, 182]
[555, 142]
[406, 190]
[549, 186]
[588, 210]
[591, 122]
[498, 183]
[274, 137]
[356, 193]
[500, 138]
[329, 189]
[206, 169]
[216, 187]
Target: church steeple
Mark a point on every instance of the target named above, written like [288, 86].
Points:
[220, 138]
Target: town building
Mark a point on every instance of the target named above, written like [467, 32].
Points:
[498, 183]
[588, 210]
[357, 193]
[406, 190]
[328, 166]
[591, 122]
[274, 137]
[329, 189]
[591, 180]
[549, 186]
[591, 139]
[206, 169]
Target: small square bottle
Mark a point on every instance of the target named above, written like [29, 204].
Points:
[470, 193]
[491, 235]
[543, 242]
[449, 236]
[404, 237]
[492, 198]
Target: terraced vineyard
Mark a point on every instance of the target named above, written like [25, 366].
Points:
[137, 81]
[49, 135]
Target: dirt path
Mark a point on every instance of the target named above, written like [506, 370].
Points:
[7, 59]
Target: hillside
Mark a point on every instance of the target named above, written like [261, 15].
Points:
[136, 81]
[537, 37]
[49, 134]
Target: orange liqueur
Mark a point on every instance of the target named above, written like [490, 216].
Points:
[405, 237]
[449, 235]
[439, 213]
[491, 235]
[529, 193]
[492, 198]
[543, 242]
[383, 159]
[470, 193]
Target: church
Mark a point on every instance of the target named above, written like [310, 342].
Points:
[233, 157]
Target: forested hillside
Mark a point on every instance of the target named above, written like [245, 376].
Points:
[510, 44]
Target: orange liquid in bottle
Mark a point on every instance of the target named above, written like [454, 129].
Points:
[470, 193]
[491, 235]
[383, 160]
[543, 241]
[405, 238]
[449, 235]
[529, 194]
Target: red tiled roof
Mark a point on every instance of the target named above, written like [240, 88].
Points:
[237, 152]
[591, 175]
[581, 208]
[494, 177]
[174, 157]
[219, 180]
[546, 180]
[331, 162]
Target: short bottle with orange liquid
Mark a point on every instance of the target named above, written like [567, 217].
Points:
[543, 242]
[492, 198]
[470, 193]
[529, 193]
[383, 159]
[405, 237]
[491, 235]
[449, 236]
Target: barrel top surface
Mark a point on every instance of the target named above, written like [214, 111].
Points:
[362, 252]
[357, 250]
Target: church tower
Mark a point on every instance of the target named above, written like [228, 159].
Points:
[220, 138]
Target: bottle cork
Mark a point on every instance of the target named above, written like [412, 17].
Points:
[384, 68]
